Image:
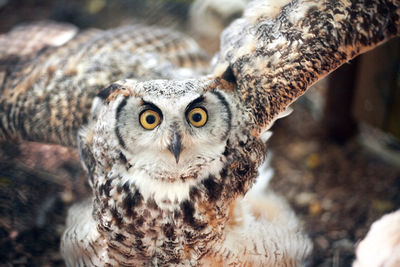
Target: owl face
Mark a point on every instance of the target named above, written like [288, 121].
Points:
[170, 130]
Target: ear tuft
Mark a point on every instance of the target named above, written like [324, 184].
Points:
[229, 76]
[106, 92]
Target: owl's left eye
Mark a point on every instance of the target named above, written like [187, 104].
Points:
[197, 117]
[149, 119]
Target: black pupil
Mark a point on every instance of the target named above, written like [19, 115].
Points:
[196, 117]
[150, 119]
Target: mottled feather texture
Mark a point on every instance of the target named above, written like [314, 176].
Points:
[25, 40]
[179, 194]
[48, 97]
[275, 56]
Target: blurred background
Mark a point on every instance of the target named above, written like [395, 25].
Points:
[336, 158]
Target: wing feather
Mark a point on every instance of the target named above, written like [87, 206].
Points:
[25, 40]
[276, 56]
[49, 97]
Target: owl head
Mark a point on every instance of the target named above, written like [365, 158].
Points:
[159, 131]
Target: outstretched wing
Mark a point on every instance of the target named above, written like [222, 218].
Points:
[48, 96]
[275, 54]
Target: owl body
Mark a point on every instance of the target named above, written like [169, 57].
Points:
[152, 208]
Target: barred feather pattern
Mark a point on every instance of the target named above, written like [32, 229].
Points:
[24, 41]
[48, 97]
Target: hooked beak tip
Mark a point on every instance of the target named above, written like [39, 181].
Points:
[176, 146]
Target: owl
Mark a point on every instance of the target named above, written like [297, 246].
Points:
[173, 145]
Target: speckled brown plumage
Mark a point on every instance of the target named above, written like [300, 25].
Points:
[275, 58]
[47, 97]
[180, 194]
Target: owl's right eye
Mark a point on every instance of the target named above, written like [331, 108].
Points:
[149, 119]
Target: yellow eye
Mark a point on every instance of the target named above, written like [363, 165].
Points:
[149, 119]
[197, 117]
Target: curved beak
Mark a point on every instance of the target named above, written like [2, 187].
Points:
[176, 146]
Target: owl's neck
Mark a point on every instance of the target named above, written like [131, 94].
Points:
[181, 227]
